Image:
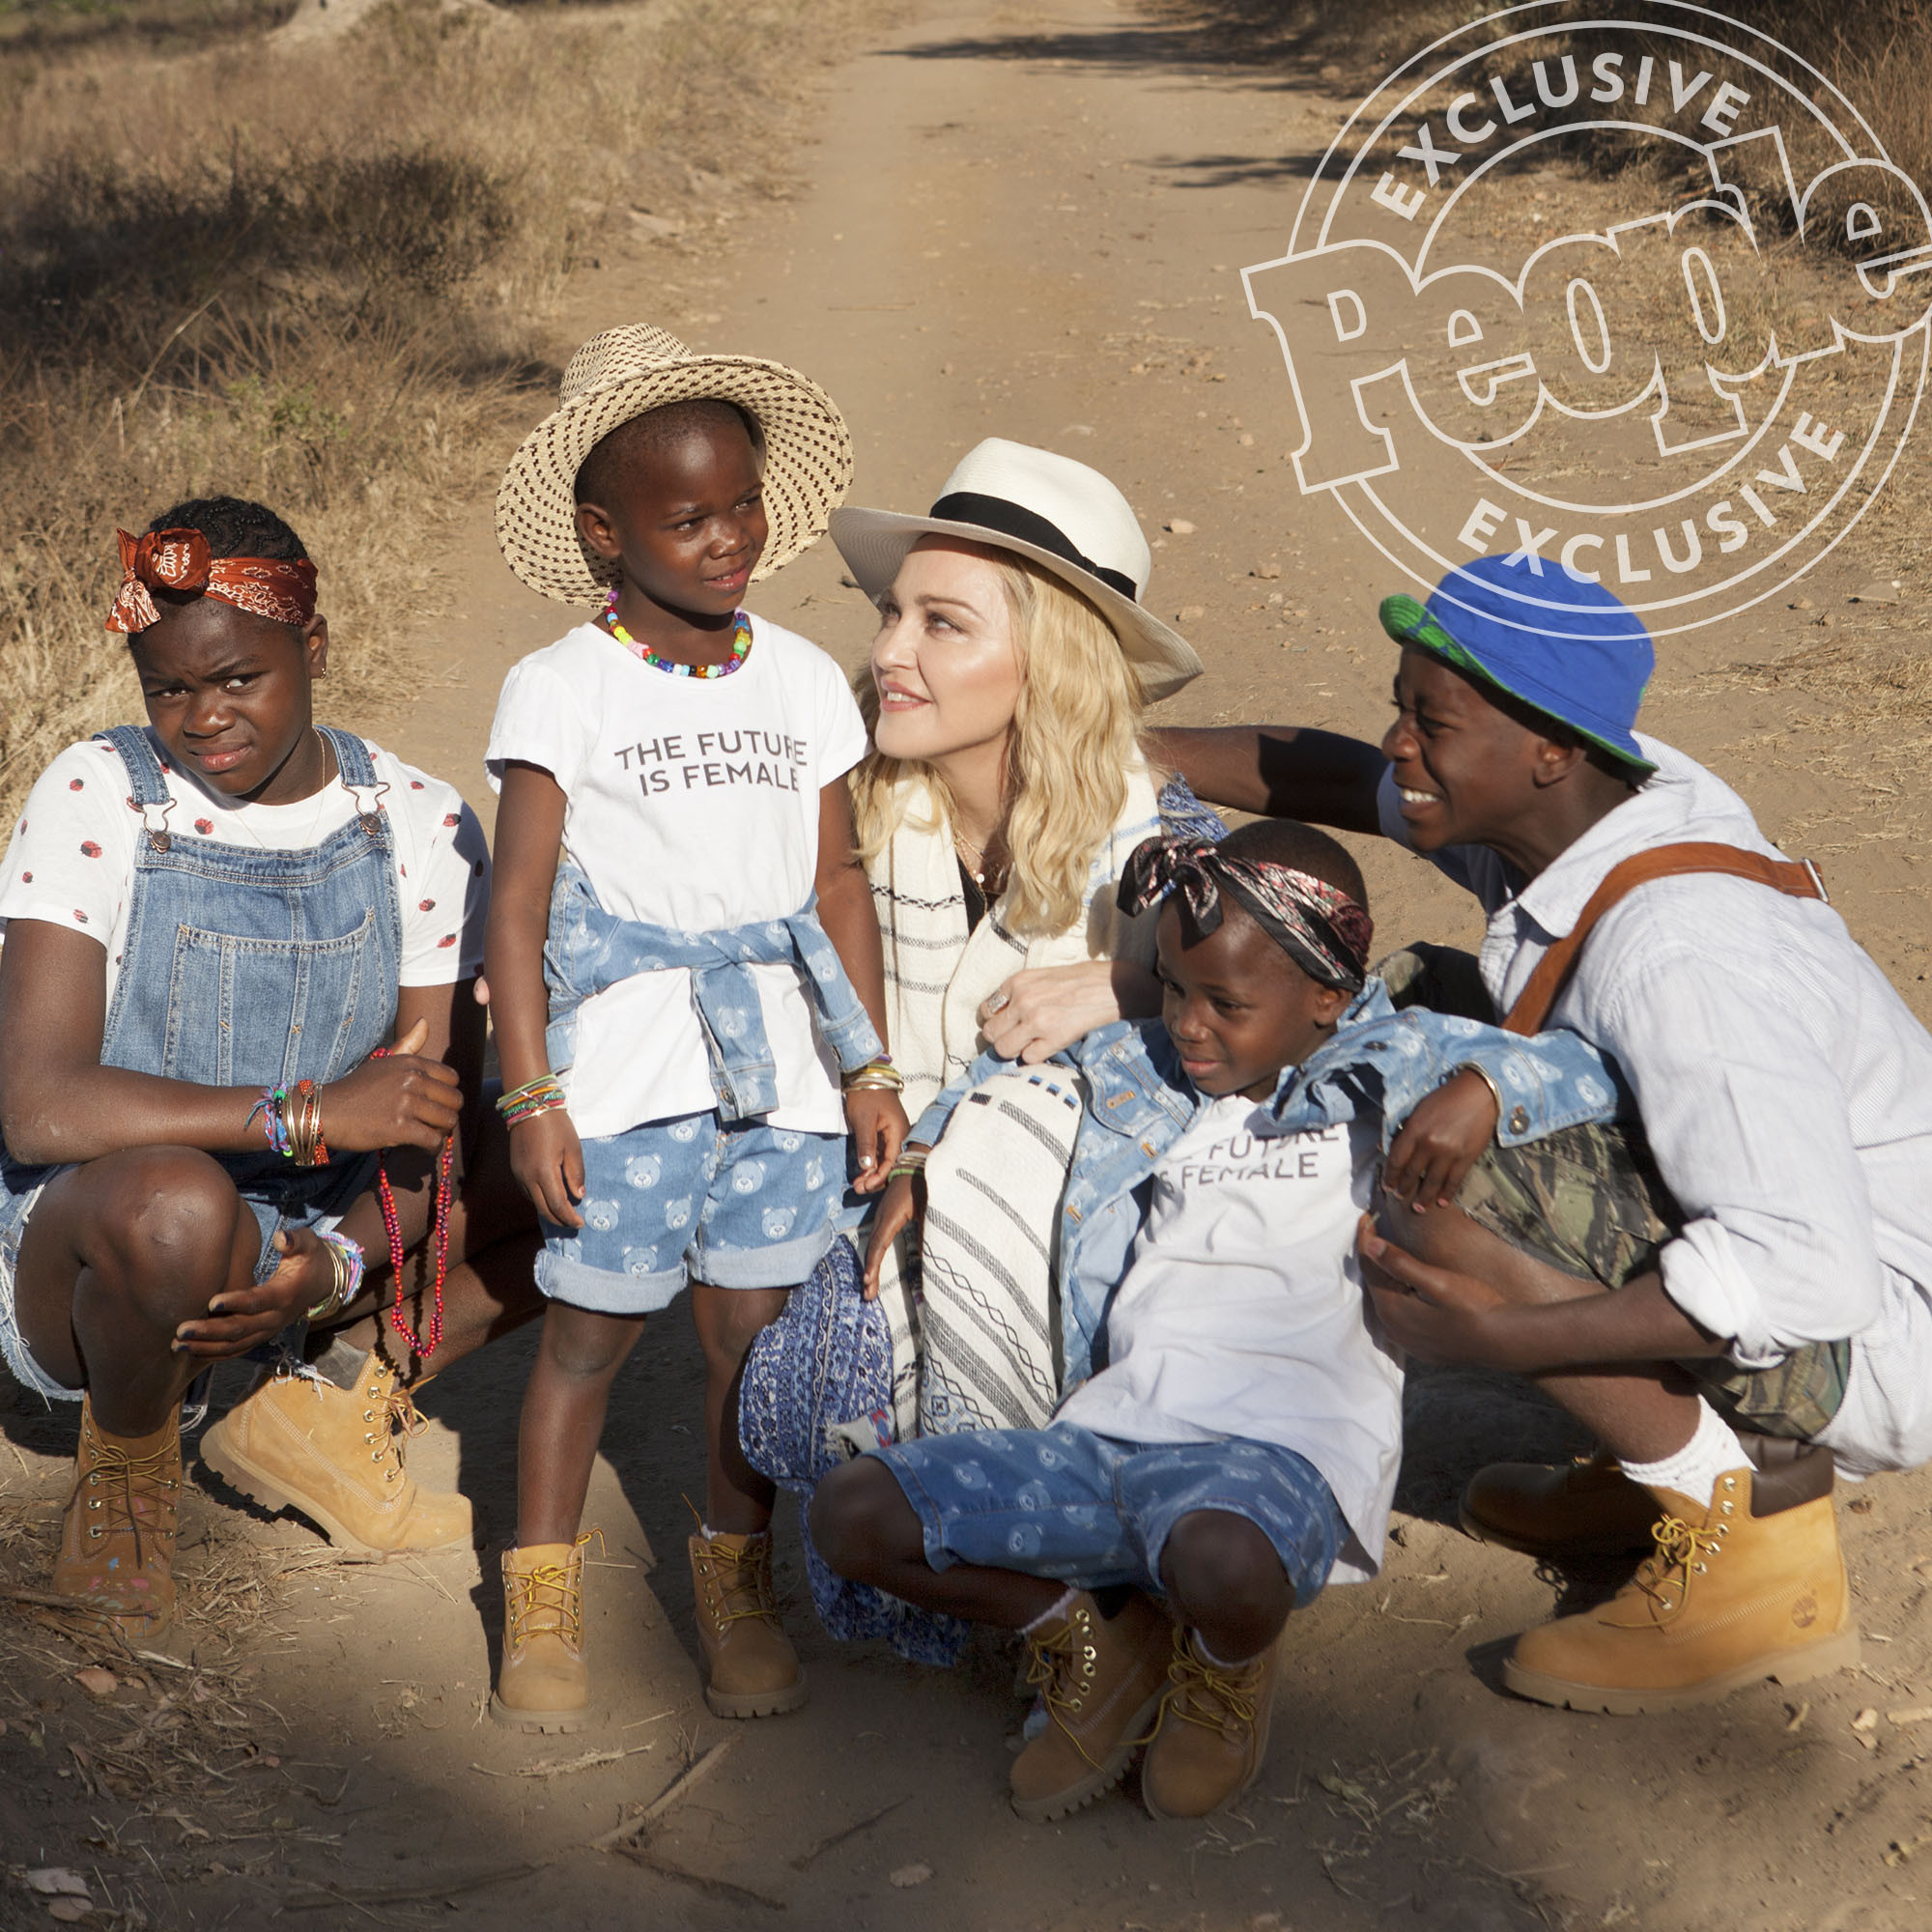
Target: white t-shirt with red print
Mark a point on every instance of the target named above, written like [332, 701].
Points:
[71, 859]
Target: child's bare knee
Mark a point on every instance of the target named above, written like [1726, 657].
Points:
[859, 1517]
[164, 1227]
[1221, 1566]
[585, 1344]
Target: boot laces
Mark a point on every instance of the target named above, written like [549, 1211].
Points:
[1061, 1662]
[394, 1419]
[1664, 1576]
[744, 1578]
[126, 1481]
[1217, 1696]
[553, 1592]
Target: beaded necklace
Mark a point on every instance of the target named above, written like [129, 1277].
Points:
[423, 1345]
[741, 645]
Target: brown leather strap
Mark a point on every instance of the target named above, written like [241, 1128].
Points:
[1799, 879]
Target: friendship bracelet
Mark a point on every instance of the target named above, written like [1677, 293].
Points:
[270, 1107]
[541, 1096]
[345, 1267]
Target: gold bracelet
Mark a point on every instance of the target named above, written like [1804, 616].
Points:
[1488, 1080]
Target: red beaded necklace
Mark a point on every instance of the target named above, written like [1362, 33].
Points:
[422, 1347]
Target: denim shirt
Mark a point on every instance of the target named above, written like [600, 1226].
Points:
[588, 949]
[1138, 1103]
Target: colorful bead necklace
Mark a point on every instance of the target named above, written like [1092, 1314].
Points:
[741, 646]
[424, 1345]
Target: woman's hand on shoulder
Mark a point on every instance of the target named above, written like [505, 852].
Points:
[876, 1119]
[1042, 1009]
[403, 1099]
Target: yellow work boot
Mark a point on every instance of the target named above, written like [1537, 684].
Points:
[1729, 1597]
[1213, 1734]
[543, 1685]
[337, 1455]
[1588, 1509]
[750, 1669]
[117, 1546]
[1102, 1680]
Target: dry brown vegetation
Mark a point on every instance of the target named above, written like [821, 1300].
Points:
[318, 272]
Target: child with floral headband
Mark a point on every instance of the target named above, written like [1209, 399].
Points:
[215, 919]
[1232, 1429]
[684, 961]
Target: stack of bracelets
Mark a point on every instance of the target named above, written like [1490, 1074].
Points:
[876, 1074]
[345, 1263]
[910, 1163]
[291, 1119]
[542, 1095]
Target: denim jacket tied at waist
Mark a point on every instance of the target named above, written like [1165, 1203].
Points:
[588, 949]
[1138, 1103]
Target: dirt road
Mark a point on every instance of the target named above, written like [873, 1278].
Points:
[1031, 225]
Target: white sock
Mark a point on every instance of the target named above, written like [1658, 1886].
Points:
[1207, 1656]
[1057, 1608]
[1693, 1470]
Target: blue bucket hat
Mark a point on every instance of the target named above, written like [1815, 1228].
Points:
[1567, 647]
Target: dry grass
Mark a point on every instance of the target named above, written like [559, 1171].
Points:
[318, 272]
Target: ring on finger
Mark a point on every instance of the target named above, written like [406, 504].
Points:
[998, 1003]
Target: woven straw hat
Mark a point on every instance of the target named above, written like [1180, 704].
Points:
[622, 373]
[1063, 516]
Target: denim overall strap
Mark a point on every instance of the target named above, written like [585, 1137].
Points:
[589, 949]
[150, 794]
[245, 967]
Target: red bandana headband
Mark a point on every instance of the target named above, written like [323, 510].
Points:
[268, 587]
[1325, 931]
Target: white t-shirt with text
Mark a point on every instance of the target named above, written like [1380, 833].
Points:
[71, 859]
[692, 802]
[1242, 1313]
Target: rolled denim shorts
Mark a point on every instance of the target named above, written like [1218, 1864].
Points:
[316, 1200]
[1093, 1511]
[738, 1205]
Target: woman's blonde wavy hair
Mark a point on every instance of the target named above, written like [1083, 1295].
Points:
[1075, 735]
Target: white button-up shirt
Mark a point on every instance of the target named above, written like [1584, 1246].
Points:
[1784, 1087]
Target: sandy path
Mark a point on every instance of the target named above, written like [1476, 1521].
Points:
[1031, 225]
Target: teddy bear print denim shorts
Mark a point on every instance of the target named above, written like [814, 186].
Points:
[743, 1205]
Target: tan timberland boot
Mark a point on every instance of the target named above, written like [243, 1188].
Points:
[750, 1669]
[1101, 1681]
[1752, 1587]
[1213, 1734]
[117, 1546]
[337, 1456]
[544, 1684]
[1589, 1509]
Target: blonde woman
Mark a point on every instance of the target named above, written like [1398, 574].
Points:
[1005, 791]
[1007, 784]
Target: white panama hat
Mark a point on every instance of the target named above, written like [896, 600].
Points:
[1061, 515]
[622, 373]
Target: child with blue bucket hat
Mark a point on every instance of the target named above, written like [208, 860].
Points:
[1767, 1229]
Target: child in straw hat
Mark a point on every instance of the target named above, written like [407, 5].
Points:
[682, 954]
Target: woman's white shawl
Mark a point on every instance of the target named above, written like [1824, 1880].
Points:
[978, 1347]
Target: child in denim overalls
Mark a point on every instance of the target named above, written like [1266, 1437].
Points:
[202, 914]
[679, 926]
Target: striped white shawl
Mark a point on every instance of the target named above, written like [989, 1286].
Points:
[980, 1349]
